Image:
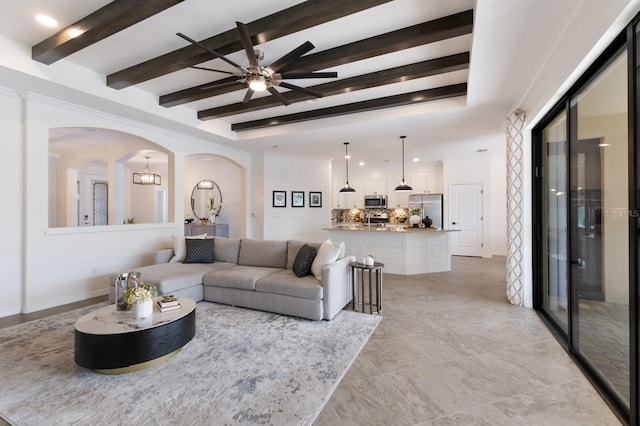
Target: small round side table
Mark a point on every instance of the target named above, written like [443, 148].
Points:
[367, 270]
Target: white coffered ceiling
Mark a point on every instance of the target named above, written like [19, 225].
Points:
[509, 43]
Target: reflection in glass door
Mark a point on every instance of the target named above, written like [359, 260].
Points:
[554, 221]
[583, 245]
[599, 226]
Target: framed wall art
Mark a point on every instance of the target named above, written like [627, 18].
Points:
[279, 198]
[315, 199]
[297, 198]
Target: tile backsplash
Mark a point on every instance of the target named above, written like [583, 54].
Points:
[397, 215]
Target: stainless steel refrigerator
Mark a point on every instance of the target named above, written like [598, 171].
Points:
[430, 204]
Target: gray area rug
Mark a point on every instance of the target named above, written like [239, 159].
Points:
[242, 367]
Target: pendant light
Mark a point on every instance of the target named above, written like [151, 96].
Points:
[346, 187]
[146, 177]
[403, 187]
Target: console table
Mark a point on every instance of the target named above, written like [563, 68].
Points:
[217, 230]
[109, 341]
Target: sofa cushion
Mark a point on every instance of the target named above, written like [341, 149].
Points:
[226, 249]
[327, 253]
[180, 246]
[294, 247]
[304, 259]
[240, 277]
[169, 277]
[286, 282]
[199, 251]
[266, 253]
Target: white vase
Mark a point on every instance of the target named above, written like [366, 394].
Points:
[142, 310]
[212, 219]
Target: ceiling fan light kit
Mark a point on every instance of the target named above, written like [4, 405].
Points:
[259, 78]
[257, 83]
[403, 187]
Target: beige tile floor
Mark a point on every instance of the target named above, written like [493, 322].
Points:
[451, 351]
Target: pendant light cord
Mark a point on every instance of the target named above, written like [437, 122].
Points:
[402, 137]
[346, 159]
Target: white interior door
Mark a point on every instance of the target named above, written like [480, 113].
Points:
[465, 211]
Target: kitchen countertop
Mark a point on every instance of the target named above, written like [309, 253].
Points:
[392, 228]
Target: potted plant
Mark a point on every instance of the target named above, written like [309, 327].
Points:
[140, 299]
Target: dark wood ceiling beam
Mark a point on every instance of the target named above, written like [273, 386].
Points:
[427, 32]
[296, 18]
[399, 74]
[106, 21]
[356, 107]
[417, 35]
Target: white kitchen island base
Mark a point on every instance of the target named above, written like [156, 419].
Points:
[404, 251]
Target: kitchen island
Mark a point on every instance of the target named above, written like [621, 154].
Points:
[403, 250]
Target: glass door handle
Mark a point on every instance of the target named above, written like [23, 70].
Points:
[592, 235]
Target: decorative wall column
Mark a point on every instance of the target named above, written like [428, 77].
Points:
[515, 207]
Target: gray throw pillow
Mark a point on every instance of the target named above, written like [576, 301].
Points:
[199, 251]
[304, 259]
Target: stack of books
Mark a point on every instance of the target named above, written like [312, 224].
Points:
[168, 303]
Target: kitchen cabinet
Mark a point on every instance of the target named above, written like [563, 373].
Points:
[375, 186]
[429, 183]
[397, 199]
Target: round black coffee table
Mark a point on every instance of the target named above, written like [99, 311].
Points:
[112, 342]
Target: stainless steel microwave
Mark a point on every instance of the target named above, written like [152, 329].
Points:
[375, 201]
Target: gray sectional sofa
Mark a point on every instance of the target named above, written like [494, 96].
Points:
[254, 274]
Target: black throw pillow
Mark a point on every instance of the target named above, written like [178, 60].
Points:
[304, 259]
[199, 251]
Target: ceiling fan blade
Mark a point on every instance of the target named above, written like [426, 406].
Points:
[296, 75]
[278, 95]
[246, 42]
[222, 84]
[301, 89]
[291, 57]
[247, 96]
[211, 69]
[213, 52]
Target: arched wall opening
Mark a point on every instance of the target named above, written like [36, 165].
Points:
[92, 181]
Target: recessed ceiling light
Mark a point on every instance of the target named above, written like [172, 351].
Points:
[361, 163]
[47, 21]
[416, 159]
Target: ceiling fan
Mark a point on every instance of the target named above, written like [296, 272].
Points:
[259, 78]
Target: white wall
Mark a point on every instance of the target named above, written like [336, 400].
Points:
[12, 194]
[63, 265]
[296, 173]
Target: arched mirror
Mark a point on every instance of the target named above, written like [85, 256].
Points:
[206, 199]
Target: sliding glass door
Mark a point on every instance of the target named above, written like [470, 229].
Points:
[583, 225]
